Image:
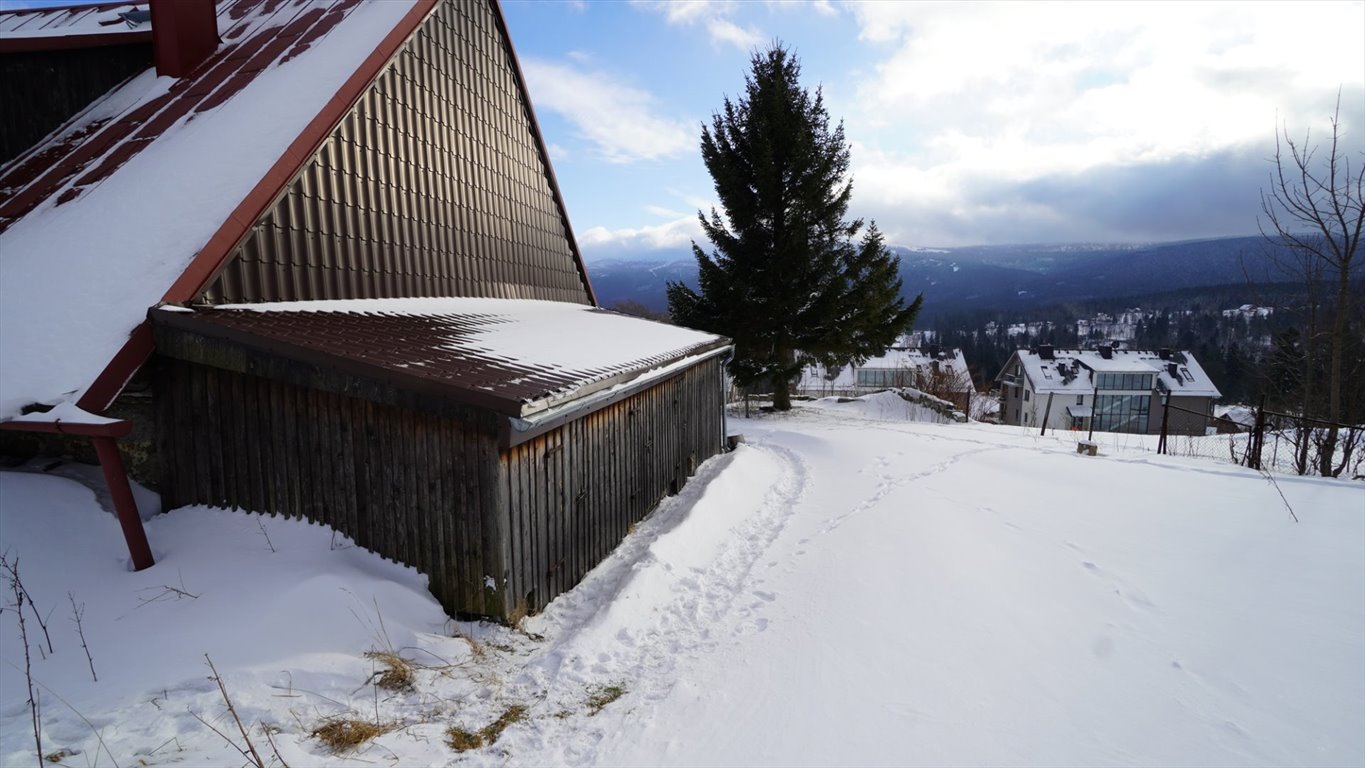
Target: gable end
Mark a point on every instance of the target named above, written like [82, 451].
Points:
[435, 183]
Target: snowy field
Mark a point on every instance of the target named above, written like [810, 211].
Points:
[847, 588]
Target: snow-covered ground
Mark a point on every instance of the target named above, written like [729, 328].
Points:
[846, 588]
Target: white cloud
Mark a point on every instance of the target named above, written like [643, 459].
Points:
[713, 15]
[665, 213]
[968, 96]
[726, 31]
[619, 120]
[678, 233]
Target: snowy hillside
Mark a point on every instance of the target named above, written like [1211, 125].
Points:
[846, 588]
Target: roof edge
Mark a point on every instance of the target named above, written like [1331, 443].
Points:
[73, 42]
[213, 256]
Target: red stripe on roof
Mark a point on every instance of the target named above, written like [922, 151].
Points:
[216, 251]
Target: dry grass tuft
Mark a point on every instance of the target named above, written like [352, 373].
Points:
[396, 675]
[461, 740]
[603, 696]
[519, 612]
[344, 735]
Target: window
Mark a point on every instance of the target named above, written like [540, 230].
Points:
[885, 377]
[1124, 381]
[1080, 399]
[1026, 394]
[1122, 413]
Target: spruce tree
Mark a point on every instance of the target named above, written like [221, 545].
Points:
[788, 279]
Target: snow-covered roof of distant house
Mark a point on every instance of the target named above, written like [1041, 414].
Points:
[1072, 370]
[516, 357]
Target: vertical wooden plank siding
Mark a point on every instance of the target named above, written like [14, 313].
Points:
[574, 492]
[396, 481]
[436, 492]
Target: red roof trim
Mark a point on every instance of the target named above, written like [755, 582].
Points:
[544, 153]
[215, 253]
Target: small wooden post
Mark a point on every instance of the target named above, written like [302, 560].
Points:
[1094, 409]
[1257, 437]
[1047, 414]
[1165, 419]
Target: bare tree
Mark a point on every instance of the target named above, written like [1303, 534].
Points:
[1314, 213]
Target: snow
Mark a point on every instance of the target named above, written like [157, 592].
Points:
[885, 406]
[40, 23]
[65, 412]
[64, 314]
[845, 588]
[541, 334]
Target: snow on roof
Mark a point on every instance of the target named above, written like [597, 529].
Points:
[950, 360]
[104, 20]
[517, 356]
[1072, 370]
[99, 221]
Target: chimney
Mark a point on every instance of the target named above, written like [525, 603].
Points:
[1165, 353]
[184, 34]
[1106, 352]
[1044, 351]
[1173, 370]
[933, 350]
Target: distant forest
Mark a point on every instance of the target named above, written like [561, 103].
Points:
[1237, 351]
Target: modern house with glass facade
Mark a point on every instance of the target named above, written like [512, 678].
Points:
[1119, 390]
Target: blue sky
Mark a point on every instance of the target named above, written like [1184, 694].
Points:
[970, 123]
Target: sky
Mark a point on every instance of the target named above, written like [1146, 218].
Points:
[969, 124]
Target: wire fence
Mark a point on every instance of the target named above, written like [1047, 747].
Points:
[1274, 442]
[1266, 440]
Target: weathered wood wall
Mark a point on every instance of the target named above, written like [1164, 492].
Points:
[419, 489]
[574, 493]
[434, 491]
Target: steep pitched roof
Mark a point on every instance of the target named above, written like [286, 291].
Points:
[141, 198]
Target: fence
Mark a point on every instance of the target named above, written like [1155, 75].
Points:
[1276, 442]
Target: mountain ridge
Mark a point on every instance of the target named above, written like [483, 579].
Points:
[1000, 277]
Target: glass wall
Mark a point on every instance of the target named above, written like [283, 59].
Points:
[1129, 381]
[886, 377]
[1122, 413]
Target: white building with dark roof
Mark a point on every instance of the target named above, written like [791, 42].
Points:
[1120, 390]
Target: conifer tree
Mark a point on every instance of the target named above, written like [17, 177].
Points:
[788, 279]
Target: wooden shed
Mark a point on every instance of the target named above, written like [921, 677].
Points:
[359, 302]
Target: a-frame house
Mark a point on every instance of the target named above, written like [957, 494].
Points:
[312, 255]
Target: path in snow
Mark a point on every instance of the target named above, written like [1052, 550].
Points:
[840, 591]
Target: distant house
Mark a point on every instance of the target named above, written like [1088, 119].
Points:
[312, 254]
[1120, 390]
[933, 369]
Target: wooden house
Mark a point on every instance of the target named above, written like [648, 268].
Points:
[314, 254]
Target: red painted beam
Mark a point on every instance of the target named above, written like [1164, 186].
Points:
[124, 503]
[104, 435]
